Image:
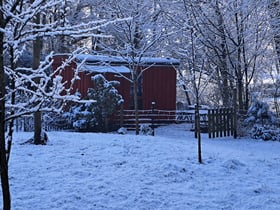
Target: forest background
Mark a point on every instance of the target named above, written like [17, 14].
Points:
[223, 46]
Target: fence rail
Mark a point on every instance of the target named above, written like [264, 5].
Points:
[126, 118]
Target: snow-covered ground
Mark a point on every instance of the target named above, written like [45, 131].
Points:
[109, 171]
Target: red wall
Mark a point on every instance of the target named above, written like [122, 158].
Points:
[159, 84]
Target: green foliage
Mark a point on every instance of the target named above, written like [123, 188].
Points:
[107, 100]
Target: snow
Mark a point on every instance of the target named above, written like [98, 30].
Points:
[104, 69]
[101, 63]
[113, 171]
[90, 59]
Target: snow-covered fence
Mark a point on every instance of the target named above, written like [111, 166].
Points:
[126, 118]
[221, 122]
[188, 116]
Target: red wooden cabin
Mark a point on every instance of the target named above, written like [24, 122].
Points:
[157, 83]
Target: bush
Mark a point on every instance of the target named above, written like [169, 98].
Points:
[261, 121]
[146, 130]
[259, 113]
[266, 134]
[103, 101]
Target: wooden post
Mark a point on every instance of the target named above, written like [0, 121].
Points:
[234, 113]
[216, 123]
[198, 134]
[221, 122]
[231, 122]
[153, 113]
[227, 122]
[209, 124]
[224, 122]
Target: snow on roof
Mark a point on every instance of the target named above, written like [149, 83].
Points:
[89, 59]
[104, 69]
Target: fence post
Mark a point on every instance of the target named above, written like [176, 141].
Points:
[227, 121]
[215, 123]
[220, 122]
[153, 113]
[224, 122]
[234, 113]
[209, 124]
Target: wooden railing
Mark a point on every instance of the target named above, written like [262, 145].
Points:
[126, 118]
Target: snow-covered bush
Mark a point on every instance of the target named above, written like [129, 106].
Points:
[103, 100]
[146, 129]
[83, 118]
[122, 131]
[261, 121]
[266, 134]
[259, 113]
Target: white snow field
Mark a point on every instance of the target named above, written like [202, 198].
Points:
[84, 171]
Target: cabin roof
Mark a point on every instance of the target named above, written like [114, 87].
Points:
[117, 60]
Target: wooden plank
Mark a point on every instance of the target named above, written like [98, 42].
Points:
[225, 121]
[216, 122]
[221, 122]
[231, 123]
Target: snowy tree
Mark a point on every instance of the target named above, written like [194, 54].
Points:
[259, 113]
[261, 121]
[134, 39]
[233, 37]
[107, 99]
[221, 44]
[273, 8]
[31, 89]
[94, 116]
[195, 71]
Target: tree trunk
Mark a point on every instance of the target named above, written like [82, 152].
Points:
[13, 100]
[187, 95]
[135, 96]
[3, 158]
[197, 130]
[223, 58]
[240, 94]
[36, 63]
[274, 11]
[37, 127]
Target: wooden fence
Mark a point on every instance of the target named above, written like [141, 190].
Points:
[126, 118]
[221, 122]
[216, 122]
